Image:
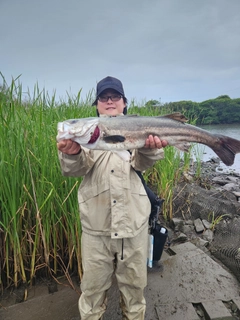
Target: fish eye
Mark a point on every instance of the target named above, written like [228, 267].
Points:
[74, 121]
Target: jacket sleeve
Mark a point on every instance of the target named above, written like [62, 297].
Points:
[76, 165]
[144, 158]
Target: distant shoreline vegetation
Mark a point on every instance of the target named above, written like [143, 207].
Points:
[221, 110]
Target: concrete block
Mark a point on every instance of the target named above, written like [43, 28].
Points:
[183, 311]
[199, 227]
[216, 310]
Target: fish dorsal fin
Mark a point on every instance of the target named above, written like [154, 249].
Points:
[176, 116]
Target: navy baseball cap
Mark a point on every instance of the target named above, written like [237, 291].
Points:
[108, 83]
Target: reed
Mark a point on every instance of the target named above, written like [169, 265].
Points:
[39, 217]
[164, 175]
[40, 228]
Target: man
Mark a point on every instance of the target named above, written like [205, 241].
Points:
[114, 211]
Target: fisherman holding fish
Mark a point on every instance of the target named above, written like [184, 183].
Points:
[114, 210]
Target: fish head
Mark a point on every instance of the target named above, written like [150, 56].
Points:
[79, 130]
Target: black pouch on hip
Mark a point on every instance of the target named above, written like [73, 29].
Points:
[160, 235]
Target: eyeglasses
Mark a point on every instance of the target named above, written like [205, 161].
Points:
[114, 97]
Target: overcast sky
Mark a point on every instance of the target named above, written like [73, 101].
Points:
[167, 50]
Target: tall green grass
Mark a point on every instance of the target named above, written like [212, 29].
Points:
[40, 228]
[39, 218]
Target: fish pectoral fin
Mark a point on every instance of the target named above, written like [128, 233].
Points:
[176, 116]
[183, 146]
[114, 139]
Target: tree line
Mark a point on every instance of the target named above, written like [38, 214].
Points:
[221, 110]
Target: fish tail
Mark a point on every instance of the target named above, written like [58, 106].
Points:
[226, 149]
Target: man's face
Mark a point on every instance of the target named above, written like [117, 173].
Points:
[106, 105]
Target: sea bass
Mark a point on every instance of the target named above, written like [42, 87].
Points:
[130, 132]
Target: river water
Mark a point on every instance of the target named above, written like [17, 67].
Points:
[205, 153]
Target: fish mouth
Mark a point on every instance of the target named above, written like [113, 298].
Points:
[95, 135]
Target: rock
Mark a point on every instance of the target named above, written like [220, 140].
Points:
[197, 202]
[233, 179]
[235, 174]
[201, 242]
[177, 224]
[230, 186]
[220, 180]
[188, 228]
[216, 195]
[188, 177]
[189, 222]
[208, 235]
[181, 238]
[206, 224]
[213, 161]
[237, 194]
[199, 227]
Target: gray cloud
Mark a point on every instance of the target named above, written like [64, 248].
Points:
[167, 49]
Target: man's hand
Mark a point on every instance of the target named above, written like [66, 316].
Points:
[155, 142]
[69, 147]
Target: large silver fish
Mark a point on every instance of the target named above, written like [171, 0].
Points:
[130, 132]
